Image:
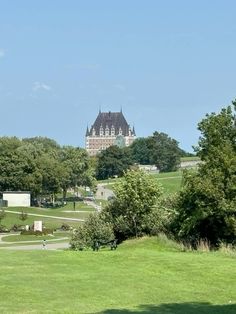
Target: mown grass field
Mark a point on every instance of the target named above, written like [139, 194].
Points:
[65, 211]
[144, 276]
[170, 181]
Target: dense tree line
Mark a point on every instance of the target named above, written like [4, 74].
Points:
[159, 150]
[41, 166]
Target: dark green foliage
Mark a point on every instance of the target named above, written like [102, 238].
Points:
[3, 228]
[159, 150]
[45, 231]
[41, 166]
[113, 162]
[94, 229]
[17, 227]
[134, 199]
[166, 154]
[141, 150]
[65, 227]
[207, 203]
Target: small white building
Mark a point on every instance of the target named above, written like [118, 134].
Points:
[15, 199]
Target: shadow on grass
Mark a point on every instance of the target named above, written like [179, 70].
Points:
[177, 308]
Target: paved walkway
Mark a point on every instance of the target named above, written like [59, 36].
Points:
[39, 246]
[51, 246]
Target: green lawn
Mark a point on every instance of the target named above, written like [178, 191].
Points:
[193, 158]
[170, 181]
[12, 219]
[63, 212]
[140, 277]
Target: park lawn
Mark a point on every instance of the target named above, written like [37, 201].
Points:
[170, 181]
[58, 212]
[170, 185]
[139, 277]
[192, 158]
[11, 219]
[169, 175]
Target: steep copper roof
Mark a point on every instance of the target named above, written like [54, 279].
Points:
[110, 120]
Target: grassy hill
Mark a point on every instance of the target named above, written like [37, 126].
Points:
[170, 181]
[149, 275]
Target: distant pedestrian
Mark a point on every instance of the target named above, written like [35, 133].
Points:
[74, 205]
[44, 244]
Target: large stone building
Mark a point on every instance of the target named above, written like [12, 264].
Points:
[109, 128]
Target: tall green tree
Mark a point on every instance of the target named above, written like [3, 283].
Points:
[166, 153]
[141, 150]
[135, 196]
[158, 149]
[207, 203]
[113, 162]
[77, 168]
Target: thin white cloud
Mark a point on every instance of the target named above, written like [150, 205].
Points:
[119, 87]
[2, 53]
[90, 67]
[37, 86]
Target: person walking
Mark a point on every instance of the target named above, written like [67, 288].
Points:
[44, 244]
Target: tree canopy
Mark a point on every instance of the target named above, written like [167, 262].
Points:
[113, 161]
[42, 166]
[207, 203]
[135, 196]
[159, 150]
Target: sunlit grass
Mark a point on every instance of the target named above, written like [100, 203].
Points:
[144, 272]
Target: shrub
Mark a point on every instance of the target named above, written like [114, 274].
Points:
[95, 229]
[3, 228]
[65, 227]
[16, 227]
[45, 231]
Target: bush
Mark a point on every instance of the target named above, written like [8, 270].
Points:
[65, 227]
[4, 229]
[16, 227]
[45, 231]
[93, 230]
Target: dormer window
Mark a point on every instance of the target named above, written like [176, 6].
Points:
[112, 131]
[107, 131]
[93, 132]
[120, 131]
[101, 131]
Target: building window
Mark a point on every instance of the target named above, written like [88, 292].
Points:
[107, 131]
[112, 130]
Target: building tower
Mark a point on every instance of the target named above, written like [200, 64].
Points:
[109, 128]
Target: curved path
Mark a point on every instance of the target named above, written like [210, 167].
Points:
[49, 246]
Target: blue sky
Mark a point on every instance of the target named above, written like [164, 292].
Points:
[166, 63]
